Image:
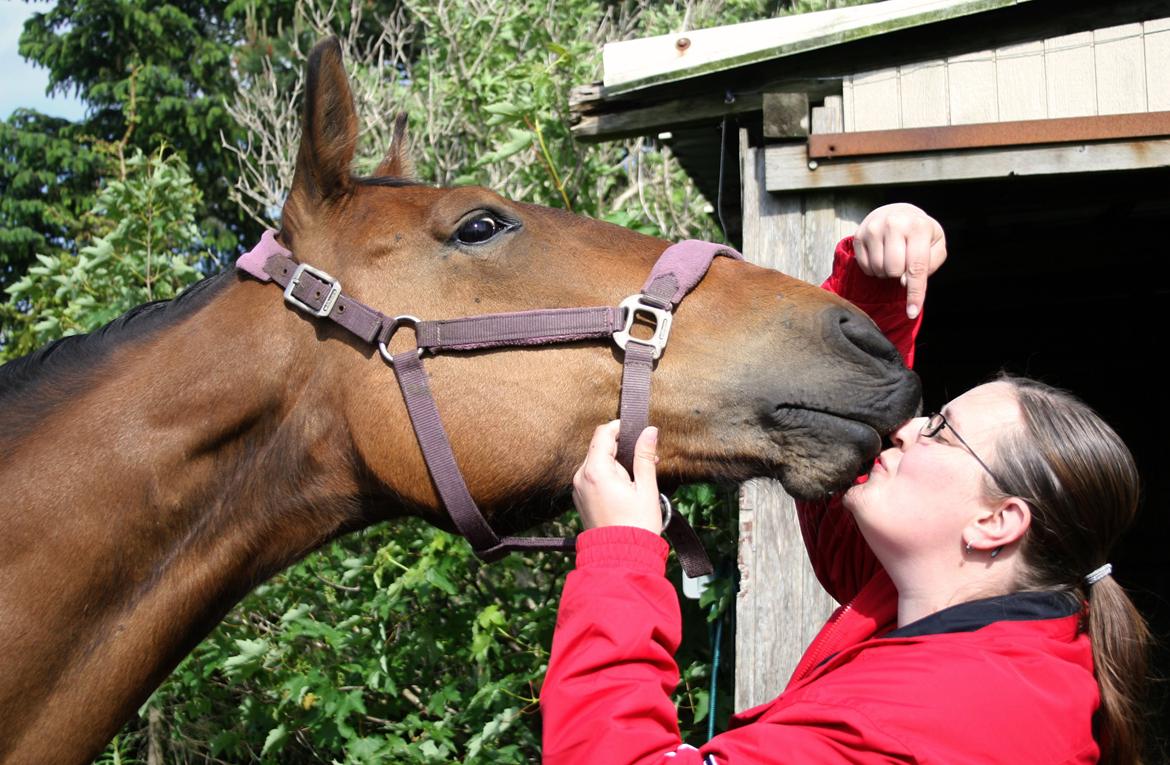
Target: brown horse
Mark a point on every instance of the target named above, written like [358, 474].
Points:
[155, 471]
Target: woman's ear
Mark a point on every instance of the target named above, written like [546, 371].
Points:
[999, 526]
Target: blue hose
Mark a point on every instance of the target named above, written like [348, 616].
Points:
[714, 678]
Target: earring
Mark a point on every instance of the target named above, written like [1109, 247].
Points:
[966, 547]
[995, 553]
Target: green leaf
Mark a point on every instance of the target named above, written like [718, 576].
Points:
[275, 740]
[518, 141]
[702, 704]
[504, 109]
[435, 577]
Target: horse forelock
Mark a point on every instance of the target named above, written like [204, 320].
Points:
[34, 385]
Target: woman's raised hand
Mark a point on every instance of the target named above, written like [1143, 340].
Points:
[900, 241]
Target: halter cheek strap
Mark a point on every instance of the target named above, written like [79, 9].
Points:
[677, 271]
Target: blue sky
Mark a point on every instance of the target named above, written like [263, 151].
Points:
[21, 83]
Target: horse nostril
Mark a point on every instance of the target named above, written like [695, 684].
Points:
[861, 333]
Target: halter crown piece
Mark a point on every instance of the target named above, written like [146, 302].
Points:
[678, 270]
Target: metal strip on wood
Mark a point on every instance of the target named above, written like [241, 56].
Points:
[789, 168]
[990, 134]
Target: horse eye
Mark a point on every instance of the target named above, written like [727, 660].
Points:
[480, 229]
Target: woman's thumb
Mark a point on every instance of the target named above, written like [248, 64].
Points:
[646, 461]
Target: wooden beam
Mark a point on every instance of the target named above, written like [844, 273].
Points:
[790, 169]
[652, 119]
[593, 118]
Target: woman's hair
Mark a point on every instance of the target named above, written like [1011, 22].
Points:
[1081, 485]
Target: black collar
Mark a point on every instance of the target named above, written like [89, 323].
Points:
[976, 614]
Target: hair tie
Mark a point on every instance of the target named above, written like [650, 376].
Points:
[1098, 574]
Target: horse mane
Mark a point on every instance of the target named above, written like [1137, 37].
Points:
[33, 385]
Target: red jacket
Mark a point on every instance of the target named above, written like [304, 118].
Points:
[1006, 680]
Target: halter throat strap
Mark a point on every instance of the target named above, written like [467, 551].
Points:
[678, 270]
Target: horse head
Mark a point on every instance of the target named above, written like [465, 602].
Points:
[765, 374]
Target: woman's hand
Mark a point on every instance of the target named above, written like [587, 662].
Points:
[903, 242]
[602, 489]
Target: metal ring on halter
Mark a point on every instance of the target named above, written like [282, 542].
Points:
[667, 510]
[399, 321]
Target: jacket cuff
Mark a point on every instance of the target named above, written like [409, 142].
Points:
[626, 547]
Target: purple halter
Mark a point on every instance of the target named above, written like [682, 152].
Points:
[678, 270]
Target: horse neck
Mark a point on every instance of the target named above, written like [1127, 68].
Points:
[196, 465]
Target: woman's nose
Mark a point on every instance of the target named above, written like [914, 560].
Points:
[907, 432]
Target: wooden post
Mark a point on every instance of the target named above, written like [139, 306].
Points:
[780, 605]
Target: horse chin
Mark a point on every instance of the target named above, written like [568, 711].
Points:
[821, 453]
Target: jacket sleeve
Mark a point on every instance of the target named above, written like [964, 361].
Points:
[839, 555]
[606, 697]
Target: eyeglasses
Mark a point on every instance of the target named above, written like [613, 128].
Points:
[936, 422]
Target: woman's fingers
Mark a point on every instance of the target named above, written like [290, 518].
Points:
[603, 491]
[900, 241]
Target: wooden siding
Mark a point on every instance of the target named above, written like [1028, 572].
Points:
[1115, 70]
[780, 605]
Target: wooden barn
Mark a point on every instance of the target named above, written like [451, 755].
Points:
[1036, 131]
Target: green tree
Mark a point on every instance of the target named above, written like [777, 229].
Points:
[48, 178]
[175, 57]
[146, 249]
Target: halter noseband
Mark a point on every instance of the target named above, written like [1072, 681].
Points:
[678, 270]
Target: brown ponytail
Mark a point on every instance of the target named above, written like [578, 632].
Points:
[1081, 485]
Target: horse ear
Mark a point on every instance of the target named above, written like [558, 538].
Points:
[329, 128]
[397, 162]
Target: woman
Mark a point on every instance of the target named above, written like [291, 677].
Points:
[981, 623]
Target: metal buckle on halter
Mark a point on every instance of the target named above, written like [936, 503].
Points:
[330, 299]
[634, 305]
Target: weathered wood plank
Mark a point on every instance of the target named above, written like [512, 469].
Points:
[922, 94]
[780, 605]
[971, 93]
[1120, 68]
[1019, 82]
[1070, 75]
[1157, 55]
[829, 117]
[787, 167]
[875, 100]
[847, 114]
[649, 120]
